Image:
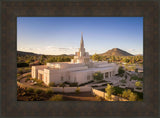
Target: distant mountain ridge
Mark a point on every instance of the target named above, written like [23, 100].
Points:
[21, 53]
[116, 52]
[112, 52]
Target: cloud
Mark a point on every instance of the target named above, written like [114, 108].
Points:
[135, 51]
[131, 49]
[51, 50]
[28, 49]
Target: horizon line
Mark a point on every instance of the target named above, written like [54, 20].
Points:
[73, 53]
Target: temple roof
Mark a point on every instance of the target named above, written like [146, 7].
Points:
[82, 42]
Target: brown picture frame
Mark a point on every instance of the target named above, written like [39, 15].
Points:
[12, 9]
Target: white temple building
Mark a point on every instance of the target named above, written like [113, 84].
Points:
[79, 70]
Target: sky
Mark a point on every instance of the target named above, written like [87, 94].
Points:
[62, 35]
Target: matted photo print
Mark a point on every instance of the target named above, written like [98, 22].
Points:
[80, 59]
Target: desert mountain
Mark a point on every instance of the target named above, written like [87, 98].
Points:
[116, 52]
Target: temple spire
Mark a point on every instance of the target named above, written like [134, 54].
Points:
[82, 42]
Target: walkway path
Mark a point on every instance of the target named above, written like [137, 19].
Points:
[23, 75]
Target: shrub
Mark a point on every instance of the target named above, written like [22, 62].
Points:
[123, 81]
[30, 90]
[139, 95]
[121, 71]
[38, 91]
[62, 85]
[29, 75]
[18, 75]
[104, 84]
[22, 65]
[136, 70]
[77, 90]
[139, 88]
[56, 98]
[118, 90]
[138, 84]
[126, 93]
[86, 83]
[98, 76]
[20, 71]
[133, 97]
[23, 93]
[95, 86]
[125, 76]
[27, 69]
[39, 81]
[52, 84]
[73, 84]
[129, 95]
[49, 92]
[66, 82]
[101, 81]
[136, 78]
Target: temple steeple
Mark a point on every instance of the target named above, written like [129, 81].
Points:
[81, 56]
[82, 42]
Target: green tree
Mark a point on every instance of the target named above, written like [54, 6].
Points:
[109, 90]
[136, 70]
[133, 97]
[126, 93]
[51, 59]
[42, 58]
[129, 95]
[52, 84]
[96, 57]
[98, 76]
[138, 84]
[59, 59]
[113, 58]
[121, 71]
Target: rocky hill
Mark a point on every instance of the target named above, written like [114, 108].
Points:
[116, 52]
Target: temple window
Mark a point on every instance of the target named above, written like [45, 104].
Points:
[106, 75]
